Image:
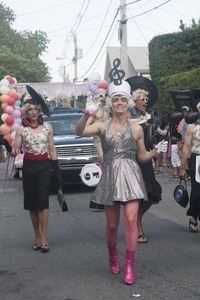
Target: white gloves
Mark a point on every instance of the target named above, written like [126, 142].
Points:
[92, 105]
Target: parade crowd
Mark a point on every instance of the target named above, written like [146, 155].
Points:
[133, 147]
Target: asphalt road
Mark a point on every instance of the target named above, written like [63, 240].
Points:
[76, 268]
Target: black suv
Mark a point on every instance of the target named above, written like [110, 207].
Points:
[74, 152]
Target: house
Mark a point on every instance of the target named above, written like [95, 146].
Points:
[138, 61]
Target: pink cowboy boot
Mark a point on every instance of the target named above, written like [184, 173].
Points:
[114, 260]
[129, 273]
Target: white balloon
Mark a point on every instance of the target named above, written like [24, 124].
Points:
[4, 90]
[4, 116]
[94, 78]
[4, 82]
[19, 121]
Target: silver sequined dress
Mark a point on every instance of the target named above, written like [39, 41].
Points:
[121, 180]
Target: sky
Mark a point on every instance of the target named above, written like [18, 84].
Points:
[95, 26]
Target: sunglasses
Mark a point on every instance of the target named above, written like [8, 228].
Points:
[143, 99]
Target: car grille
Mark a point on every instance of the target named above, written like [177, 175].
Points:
[73, 157]
[76, 150]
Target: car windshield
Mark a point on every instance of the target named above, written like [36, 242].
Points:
[64, 125]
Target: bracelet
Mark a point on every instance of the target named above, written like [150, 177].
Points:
[161, 132]
[87, 112]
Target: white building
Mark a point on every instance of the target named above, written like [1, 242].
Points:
[138, 61]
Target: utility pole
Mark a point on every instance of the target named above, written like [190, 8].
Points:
[123, 36]
[75, 59]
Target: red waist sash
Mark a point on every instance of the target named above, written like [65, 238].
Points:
[32, 156]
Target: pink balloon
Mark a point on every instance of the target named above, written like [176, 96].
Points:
[9, 120]
[4, 98]
[16, 113]
[11, 100]
[9, 109]
[4, 105]
[14, 95]
[8, 138]
[103, 84]
[5, 129]
[15, 126]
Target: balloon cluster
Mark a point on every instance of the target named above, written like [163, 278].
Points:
[11, 111]
[95, 83]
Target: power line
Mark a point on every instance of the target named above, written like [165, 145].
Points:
[45, 9]
[101, 26]
[102, 45]
[145, 12]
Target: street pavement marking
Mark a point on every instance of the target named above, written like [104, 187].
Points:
[9, 190]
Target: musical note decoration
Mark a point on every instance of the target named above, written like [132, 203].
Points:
[116, 75]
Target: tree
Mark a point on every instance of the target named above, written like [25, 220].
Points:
[20, 52]
[172, 57]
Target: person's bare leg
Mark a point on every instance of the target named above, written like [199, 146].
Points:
[43, 219]
[143, 207]
[36, 226]
[112, 221]
[131, 234]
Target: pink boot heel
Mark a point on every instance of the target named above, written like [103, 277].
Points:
[129, 273]
[114, 260]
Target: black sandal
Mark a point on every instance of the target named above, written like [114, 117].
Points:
[193, 226]
[36, 246]
[45, 248]
[142, 238]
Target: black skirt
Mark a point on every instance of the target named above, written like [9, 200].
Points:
[153, 187]
[36, 184]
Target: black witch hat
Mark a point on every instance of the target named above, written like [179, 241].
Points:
[140, 82]
[38, 100]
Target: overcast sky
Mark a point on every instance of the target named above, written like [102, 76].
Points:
[95, 24]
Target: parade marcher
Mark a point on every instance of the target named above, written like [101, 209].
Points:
[40, 158]
[191, 149]
[154, 190]
[121, 181]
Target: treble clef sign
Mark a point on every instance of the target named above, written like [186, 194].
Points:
[116, 75]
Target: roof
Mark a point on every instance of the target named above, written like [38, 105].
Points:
[138, 61]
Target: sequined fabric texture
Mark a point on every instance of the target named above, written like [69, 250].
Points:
[196, 140]
[122, 179]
